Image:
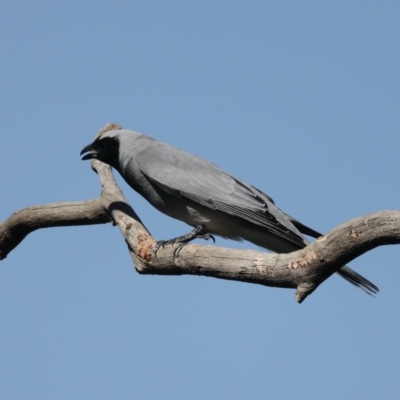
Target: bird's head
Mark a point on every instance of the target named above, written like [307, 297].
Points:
[105, 148]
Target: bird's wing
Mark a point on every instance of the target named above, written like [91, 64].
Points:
[184, 175]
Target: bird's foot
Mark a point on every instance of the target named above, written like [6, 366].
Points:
[197, 233]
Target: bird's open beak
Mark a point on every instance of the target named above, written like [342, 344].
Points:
[88, 156]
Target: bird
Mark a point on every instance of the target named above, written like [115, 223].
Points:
[193, 190]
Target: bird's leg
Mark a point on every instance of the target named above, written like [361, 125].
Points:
[199, 232]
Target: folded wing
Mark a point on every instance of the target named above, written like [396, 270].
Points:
[184, 175]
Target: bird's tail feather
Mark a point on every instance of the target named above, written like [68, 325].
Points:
[357, 280]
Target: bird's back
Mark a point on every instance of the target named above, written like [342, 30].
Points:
[198, 192]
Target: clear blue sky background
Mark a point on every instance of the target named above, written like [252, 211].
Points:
[300, 99]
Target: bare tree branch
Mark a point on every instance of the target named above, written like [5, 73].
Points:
[23, 222]
[305, 269]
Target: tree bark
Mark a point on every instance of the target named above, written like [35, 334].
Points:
[304, 270]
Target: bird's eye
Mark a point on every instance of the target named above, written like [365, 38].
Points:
[100, 145]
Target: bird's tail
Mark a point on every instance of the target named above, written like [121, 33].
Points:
[358, 280]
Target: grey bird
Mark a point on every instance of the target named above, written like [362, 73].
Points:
[195, 191]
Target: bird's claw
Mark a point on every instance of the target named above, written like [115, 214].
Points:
[163, 243]
[206, 236]
[195, 234]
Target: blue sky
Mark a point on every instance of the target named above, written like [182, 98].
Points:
[300, 99]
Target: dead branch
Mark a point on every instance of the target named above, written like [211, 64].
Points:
[304, 270]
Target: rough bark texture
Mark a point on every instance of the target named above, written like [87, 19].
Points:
[304, 269]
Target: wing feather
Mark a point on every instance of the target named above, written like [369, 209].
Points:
[184, 175]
